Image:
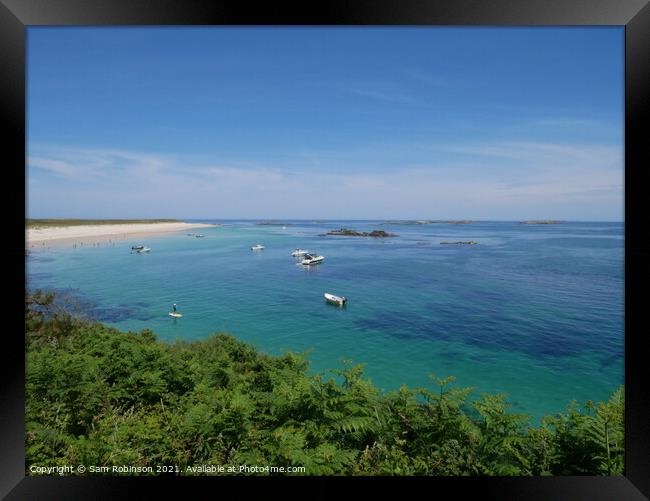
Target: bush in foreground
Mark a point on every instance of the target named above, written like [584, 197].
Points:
[98, 396]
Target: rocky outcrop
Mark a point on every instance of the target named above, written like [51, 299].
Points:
[346, 232]
[435, 221]
[549, 221]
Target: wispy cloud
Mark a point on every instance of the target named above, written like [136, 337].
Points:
[551, 177]
[426, 77]
[548, 154]
[93, 163]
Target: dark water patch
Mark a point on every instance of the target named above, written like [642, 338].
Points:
[403, 325]
[585, 243]
[73, 301]
[41, 275]
[612, 359]
[119, 313]
[540, 338]
[485, 296]
[141, 304]
[40, 259]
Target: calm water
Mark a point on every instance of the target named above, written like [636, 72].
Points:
[535, 311]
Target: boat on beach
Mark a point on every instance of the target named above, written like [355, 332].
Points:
[339, 300]
[257, 247]
[312, 259]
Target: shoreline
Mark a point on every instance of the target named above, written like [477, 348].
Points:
[101, 233]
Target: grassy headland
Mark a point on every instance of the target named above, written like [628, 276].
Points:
[52, 223]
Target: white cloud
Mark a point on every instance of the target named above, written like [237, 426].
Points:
[551, 178]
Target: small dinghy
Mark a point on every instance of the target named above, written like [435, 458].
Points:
[331, 298]
[257, 247]
[174, 313]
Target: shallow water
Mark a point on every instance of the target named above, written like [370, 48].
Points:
[535, 311]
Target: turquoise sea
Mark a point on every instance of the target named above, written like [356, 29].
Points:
[535, 311]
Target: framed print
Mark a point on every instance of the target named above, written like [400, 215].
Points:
[366, 240]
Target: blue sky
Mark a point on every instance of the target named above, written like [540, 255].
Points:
[333, 122]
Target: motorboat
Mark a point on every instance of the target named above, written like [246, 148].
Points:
[311, 259]
[198, 235]
[137, 247]
[299, 252]
[340, 300]
[144, 249]
[257, 247]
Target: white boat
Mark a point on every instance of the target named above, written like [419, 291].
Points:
[311, 259]
[257, 247]
[299, 252]
[137, 247]
[144, 249]
[340, 300]
[198, 235]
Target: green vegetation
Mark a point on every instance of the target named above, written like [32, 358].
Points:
[97, 396]
[51, 223]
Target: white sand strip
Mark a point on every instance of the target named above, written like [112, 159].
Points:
[88, 234]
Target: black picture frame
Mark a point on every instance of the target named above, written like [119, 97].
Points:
[634, 15]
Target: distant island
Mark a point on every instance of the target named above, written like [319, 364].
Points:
[548, 221]
[272, 223]
[428, 221]
[346, 232]
[470, 242]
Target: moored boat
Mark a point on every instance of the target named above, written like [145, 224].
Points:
[340, 300]
[312, 259]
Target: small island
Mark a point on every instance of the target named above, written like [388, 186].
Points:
[272, 223]
[346, 232]
[549, 221]
[470, 242]
[428, 221]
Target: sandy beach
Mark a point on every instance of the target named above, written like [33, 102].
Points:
[101, 233]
